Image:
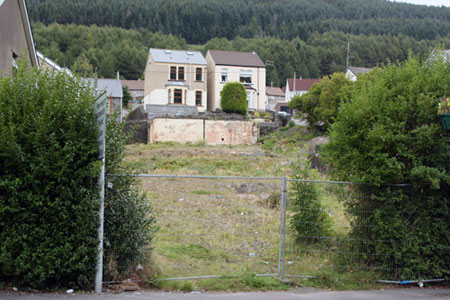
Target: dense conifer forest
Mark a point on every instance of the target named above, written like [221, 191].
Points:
[302, 36]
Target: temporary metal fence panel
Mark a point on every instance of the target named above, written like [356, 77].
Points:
[215, 226]
[331, 231]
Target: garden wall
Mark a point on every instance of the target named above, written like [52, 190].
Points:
[212, 132]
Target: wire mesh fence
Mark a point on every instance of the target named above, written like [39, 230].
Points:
[226, 226]
[220, 226]
[333, 228]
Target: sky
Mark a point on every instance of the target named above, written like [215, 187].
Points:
[427, 2]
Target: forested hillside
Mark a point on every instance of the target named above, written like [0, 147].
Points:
[201, 20]
[302, 36]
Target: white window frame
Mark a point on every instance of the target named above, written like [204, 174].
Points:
[224, 72]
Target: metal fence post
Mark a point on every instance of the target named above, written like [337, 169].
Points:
[283, 212]
[100, 110]
[281, 230]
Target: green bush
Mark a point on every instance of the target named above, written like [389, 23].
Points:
[322, 102]
[129, 222]
[309, 218]
[233, 98]
[48, 181]
[389, 132]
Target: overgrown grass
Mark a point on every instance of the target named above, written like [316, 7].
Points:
[286, 139]
[231, 227]
[243, 282]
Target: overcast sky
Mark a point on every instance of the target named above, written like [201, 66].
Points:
[427, 2]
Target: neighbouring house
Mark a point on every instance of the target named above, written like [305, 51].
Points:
[46, 63]
[244, 67]
[298, 87]
[113, 89]
[274, 96]
[135, 87]
[175, 82]
[353, 72]
[15, 35]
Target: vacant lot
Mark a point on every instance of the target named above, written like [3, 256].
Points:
[230, 227]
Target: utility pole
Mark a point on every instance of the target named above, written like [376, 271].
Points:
[295, 79]
[348, 55]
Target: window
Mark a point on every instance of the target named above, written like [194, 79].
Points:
[198, 74]
[173, 73]
[169, 96]
[198, 98]
[245, 76]
[178, 96]
[180, 73]
[224, 76]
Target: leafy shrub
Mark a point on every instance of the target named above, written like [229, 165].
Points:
[48, 181]
[233, 98]
[322, 102]
[308, 219]
[129, 221]
[389, 132]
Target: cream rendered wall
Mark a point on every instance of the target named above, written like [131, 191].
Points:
[213, 78]
[176, 130]
[213, 132]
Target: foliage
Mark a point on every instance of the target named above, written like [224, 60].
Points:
[322, 102]
[308, 219]
[102, 50]
[105, 50]
[48, 181]
[129, 220]
[201, 20]
[286, 140]
[126, 96]
[389, 132]
[233, 98]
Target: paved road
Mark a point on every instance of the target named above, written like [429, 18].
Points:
[298, 294]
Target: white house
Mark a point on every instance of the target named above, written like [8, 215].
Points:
[298, 87]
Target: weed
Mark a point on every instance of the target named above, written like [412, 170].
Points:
[262, 283]
[202, 192]
[187, 286]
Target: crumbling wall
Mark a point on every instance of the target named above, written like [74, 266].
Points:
[212, 132]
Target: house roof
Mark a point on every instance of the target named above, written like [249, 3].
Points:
[274, 91]
[113, 87]
[233, 58]
[301, 84]
[359, 70]
[134, 84]
[177, 56]
[51, 63]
